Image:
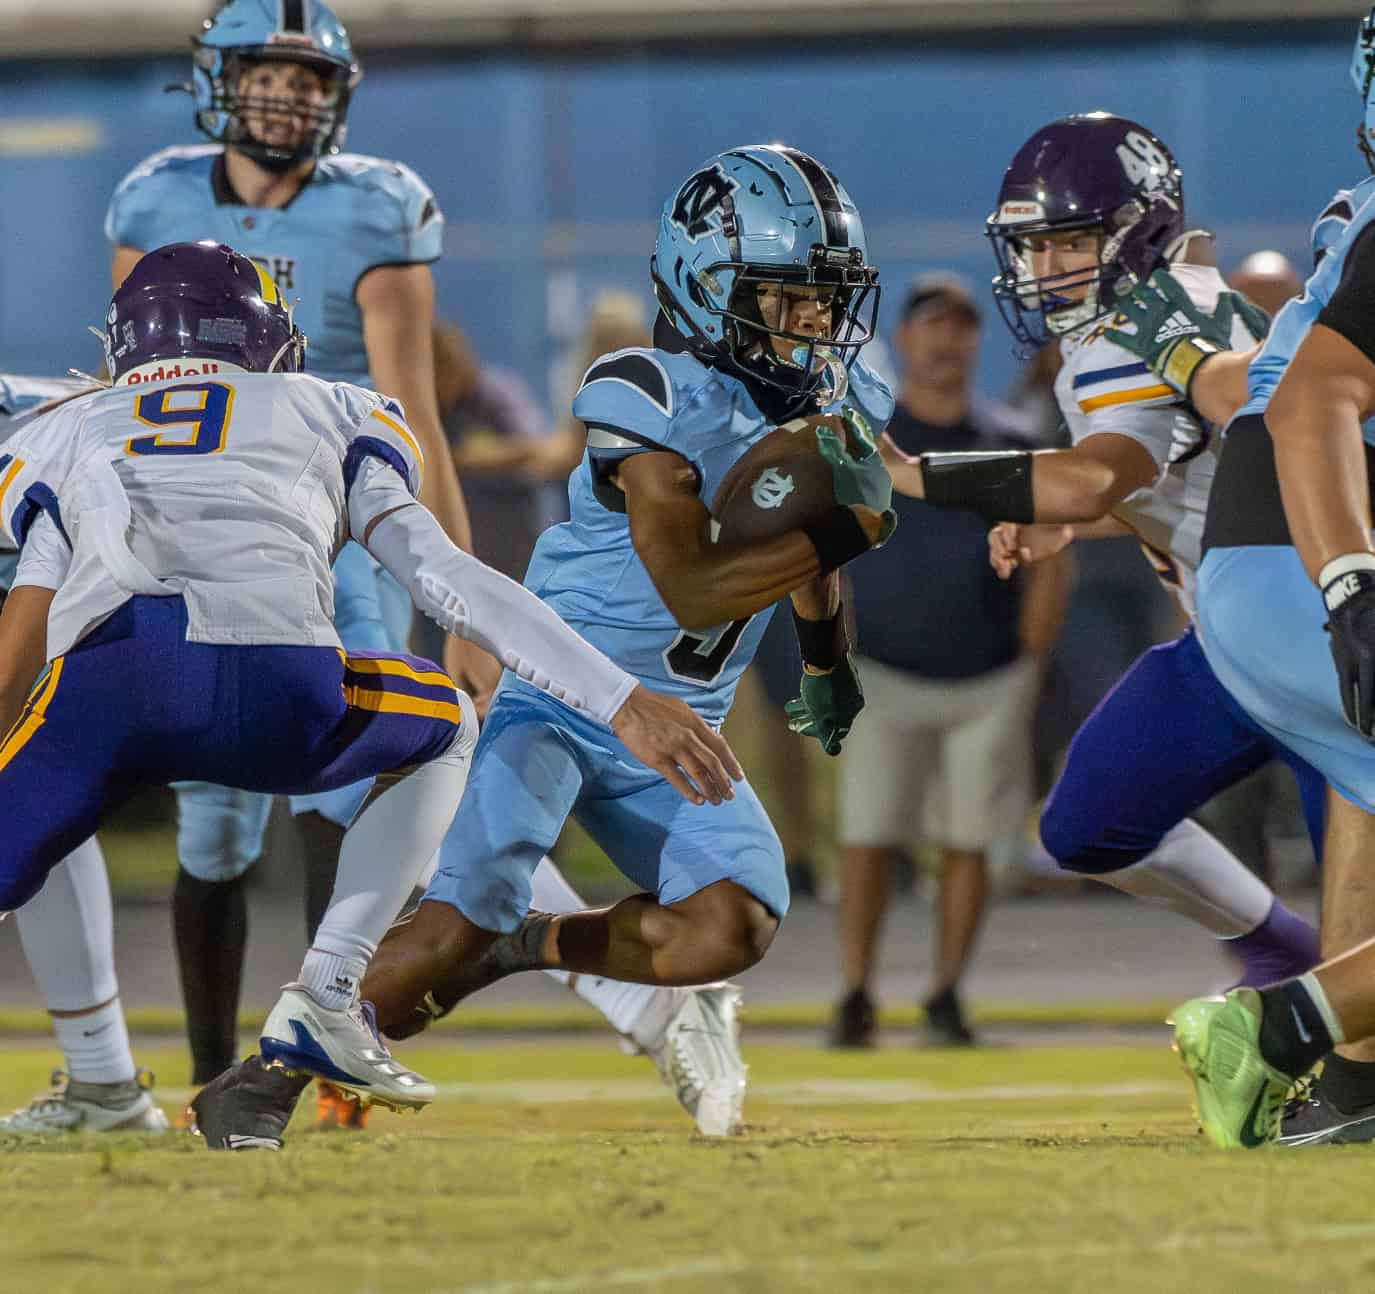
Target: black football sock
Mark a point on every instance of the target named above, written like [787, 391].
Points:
[210, 922]
[321, 840]
[1348, 1084]
[1293, 1033]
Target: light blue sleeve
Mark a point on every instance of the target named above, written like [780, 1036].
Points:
[132, 217]
[401, 223]
[626, 402]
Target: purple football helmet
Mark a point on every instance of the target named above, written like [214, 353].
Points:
[1093, 172]
[203, 301]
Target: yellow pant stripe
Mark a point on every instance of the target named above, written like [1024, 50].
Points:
[34, 714]
[1125, 397]
[365, 698]
[383, 665]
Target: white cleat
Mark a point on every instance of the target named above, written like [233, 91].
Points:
[74, 1106]
[698, 1056]
[342, 1046]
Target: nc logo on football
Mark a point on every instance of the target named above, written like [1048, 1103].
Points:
[770, 488]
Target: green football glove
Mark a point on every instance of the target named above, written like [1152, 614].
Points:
[861, 477]
[1173, 335]
[828, 706]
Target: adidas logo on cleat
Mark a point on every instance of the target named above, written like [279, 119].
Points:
[234, 1141]
[1177, 325]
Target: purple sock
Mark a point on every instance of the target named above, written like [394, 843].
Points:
[1282, 946]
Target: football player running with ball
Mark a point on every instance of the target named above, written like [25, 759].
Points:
[1089, 207]
[766, 296]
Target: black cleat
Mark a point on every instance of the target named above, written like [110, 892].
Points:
[1310, 1119]
[945, 1022]
[855, 1023]
[248, 1106]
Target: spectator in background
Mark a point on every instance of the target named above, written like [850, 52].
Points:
[1267, 278]
[495, 428]
[950, 665]
[615, 321]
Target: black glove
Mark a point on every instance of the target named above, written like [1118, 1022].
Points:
[1350, 600]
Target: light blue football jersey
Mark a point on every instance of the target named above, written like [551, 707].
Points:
[638, 400]
[355, 213]
[1334, 231]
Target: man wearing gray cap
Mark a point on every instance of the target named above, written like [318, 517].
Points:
[951, 671]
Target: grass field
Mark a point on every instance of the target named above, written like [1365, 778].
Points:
[556, 1168]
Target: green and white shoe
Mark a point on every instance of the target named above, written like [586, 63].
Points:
[1238, 1097]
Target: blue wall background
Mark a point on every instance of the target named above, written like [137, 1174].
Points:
[551, 167]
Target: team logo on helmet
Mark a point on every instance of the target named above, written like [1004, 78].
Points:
[1146, 165]
[701, 198]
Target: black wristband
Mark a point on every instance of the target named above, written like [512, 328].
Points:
[837, 537]
[997, 486]
[823, 643]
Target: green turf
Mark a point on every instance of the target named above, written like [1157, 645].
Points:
[556, 1169]
[25, 1022]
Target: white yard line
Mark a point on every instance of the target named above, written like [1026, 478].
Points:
[815, 1091]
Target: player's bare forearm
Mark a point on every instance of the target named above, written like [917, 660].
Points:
[1314, 419]
[818, 599]
[904, 469]
[704, 583]
[1077, 485]
[397, 304]
[1044, 599]
[23, 648]
[1082, 485]
[1218, 388]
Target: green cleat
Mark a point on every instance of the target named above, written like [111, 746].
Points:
[1238, 1097]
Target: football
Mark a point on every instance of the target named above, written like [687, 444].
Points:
[782, 482]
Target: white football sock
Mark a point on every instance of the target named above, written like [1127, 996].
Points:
[1194, 874]
[67, 932]
[95, 1046]
[631, 1009]
[386, 847]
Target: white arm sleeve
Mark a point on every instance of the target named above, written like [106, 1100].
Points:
[469, 599]
[45, 557]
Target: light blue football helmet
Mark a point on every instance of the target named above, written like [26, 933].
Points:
[244, 32]
[1363, 77]
[765, 214]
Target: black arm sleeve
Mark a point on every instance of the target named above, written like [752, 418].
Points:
[1351, 310]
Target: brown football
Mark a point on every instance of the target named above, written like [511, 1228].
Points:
[780, 483]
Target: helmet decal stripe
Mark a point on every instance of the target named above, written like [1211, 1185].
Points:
[270, 293]
[294, 16]
[823, 191]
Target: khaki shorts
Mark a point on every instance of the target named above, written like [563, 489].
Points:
[942, 762]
